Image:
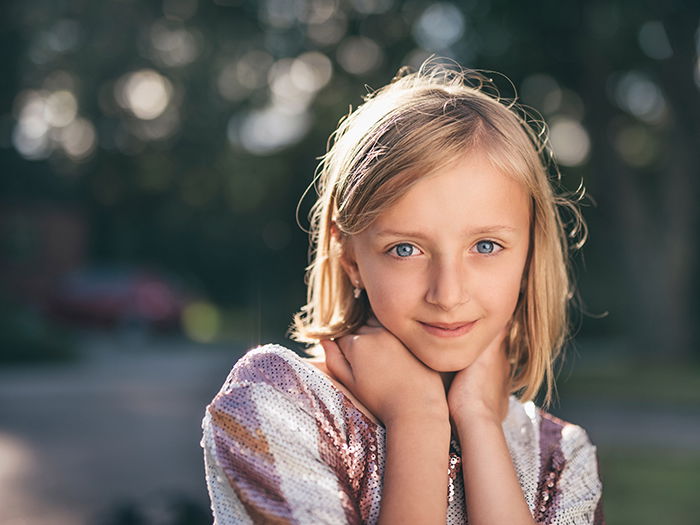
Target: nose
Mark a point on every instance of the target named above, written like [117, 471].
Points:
[447, 288]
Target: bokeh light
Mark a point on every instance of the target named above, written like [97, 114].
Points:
[653, 40]
[268, 130]
[173, 46]
[328, 31]
[542, 92]
[636, 146]
[145, 93]
[439, 26]
[311, 71]
[179, 9]
[201, 321]
[78, 139]
[638, 95]
[359, 55]
[48, 120]
[371, 7]
[61, 108]
[570, 141]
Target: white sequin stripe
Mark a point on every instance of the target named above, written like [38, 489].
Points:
[308, 485]
[225, 505]
[579, 481]
[522, 432]
[316, 381]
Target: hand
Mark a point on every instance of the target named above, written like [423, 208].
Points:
[384, 375]
[481, 389]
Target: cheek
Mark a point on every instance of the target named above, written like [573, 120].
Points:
[500, 289]
[389, 292]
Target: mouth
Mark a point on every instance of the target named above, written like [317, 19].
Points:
[448, 329]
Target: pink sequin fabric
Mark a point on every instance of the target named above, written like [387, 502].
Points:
[282, 445]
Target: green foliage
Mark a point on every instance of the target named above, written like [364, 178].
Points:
[649, 486]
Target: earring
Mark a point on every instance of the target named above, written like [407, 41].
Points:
[356, 291]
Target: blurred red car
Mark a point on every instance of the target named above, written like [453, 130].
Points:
[119, 298]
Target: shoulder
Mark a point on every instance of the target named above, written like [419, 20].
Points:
[562, 465]
[567, 436]
[270, 364]
[557, 439]
[267, 374]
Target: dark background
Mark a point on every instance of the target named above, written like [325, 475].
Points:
[152, 156]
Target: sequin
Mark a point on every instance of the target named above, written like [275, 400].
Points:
[283, 445]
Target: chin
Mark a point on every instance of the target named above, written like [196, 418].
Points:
[447, 366]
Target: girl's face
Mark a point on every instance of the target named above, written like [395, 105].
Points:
[442, 268]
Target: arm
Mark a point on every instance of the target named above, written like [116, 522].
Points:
[490, 484]
[409, 398]
[478, 403]
[263, 464]
[576, 493]
[415, 480]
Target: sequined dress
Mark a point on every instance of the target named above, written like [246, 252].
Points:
[283, 445]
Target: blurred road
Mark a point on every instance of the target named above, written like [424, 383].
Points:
[124, 426]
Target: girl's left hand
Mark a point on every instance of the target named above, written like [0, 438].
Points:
[481, 389]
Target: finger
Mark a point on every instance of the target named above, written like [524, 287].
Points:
[336, 362]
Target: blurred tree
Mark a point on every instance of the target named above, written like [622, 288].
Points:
[186, 130]
[648, 149]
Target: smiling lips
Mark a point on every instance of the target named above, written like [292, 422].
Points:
[447, 329]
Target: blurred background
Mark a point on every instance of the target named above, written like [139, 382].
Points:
[152, 155]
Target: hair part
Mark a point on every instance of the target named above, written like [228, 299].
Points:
[417, 124]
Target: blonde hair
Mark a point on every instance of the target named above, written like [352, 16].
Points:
[418, 123]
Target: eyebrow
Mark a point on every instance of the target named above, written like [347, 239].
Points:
[476, 231]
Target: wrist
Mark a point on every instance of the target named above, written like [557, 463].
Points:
[476, 415]
[433, 419]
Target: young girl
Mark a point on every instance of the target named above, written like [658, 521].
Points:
[438, 290]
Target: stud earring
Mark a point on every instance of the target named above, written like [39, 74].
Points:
[356, 291]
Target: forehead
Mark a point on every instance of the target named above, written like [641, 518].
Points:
[468, 194]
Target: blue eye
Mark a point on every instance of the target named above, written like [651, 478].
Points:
[404, 250]
[486, 247]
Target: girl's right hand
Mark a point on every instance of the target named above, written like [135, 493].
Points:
[385, 376]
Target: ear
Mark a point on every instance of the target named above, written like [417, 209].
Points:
[347, 256]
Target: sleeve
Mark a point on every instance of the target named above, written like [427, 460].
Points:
[578, 497]
[262, 461]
